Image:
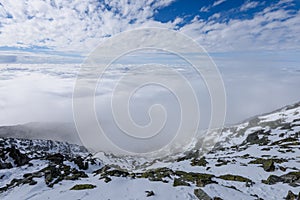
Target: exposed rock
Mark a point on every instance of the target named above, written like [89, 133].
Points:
[83, 187]
[199, 162]
[149, 193]
[282, 168]
[290, 140]
[291, 196]
[56, 173]
[222, 162]
[55, 158]
[201, 195]
[180, 182]
[189, 155]
[116, 173]
[272, 179]
[107, 179]
[102, 170]
[253, 137]
[268, 164]
[80, 163]
[199, 179]
[4, 165]
[159, 174]
[293, 178]
[20, 159]
[230, 177]
[217, 198]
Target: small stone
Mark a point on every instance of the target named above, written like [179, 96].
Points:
[282, 168]
[107, 179]
[149, 193]
[217, 198]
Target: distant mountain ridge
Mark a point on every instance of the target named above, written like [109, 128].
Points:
[64, 132]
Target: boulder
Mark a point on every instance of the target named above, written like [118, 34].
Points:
[19, 158]
[201, 195]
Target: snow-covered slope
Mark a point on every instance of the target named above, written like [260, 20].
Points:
[257, 159]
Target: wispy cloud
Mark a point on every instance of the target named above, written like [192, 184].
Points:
[216, 3]
[274, 28]
[248, 5]
[207, 8]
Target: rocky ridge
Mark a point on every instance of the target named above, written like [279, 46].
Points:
[257, 159]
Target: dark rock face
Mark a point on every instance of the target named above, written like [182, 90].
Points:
[80, 163]
[293, 178]
[253, 138]
[54, 174]
[4, 165]
[55, 158]
[19, 158]
[267, 164]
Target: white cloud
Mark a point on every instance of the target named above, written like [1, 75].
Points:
[249, 5]
[68, 25]
[271, 29]
[215, 16]
[207, 8]
[218, 2]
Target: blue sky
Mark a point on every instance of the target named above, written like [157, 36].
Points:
[74, 28]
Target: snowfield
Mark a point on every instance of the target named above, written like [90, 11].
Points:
[257, 159]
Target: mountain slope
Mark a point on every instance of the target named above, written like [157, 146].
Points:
[64, 132]
[257, 159]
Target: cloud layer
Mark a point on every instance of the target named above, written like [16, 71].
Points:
[79, 26]
[70, 25]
